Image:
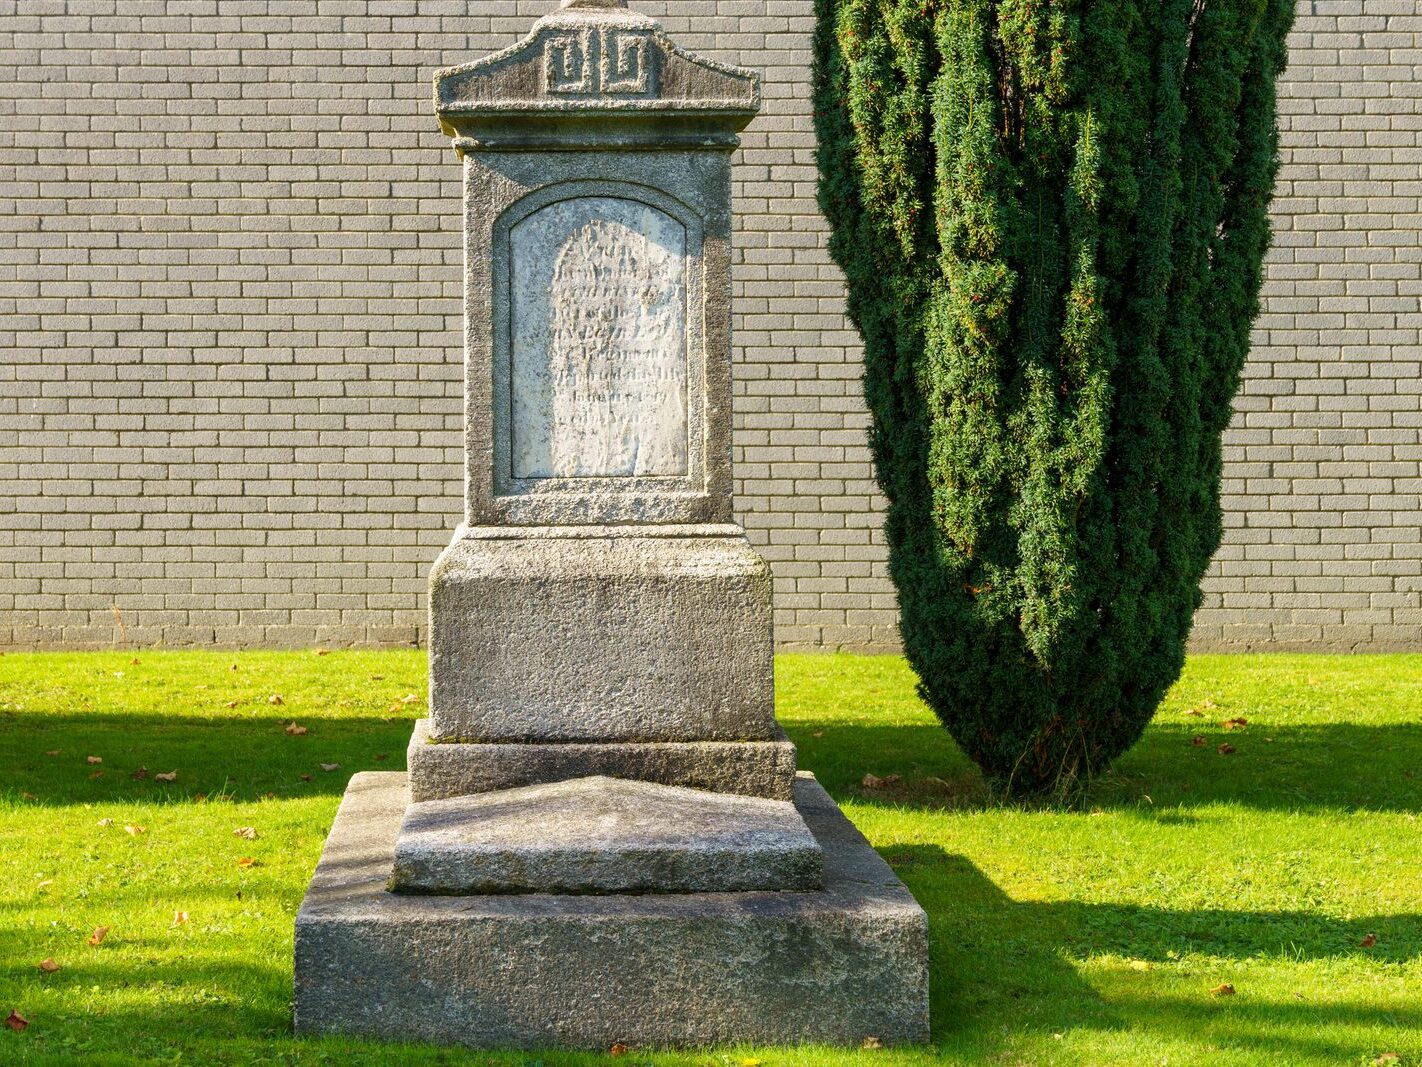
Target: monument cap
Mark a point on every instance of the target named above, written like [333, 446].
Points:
[594, 74]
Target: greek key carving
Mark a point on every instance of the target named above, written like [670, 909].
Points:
[624, 63]
[608, 60]
[567, 65]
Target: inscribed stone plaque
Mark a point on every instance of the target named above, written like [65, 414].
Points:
[598, 353]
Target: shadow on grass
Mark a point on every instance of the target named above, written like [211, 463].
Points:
[1001, 966]
[243, 758]
[1342, 766]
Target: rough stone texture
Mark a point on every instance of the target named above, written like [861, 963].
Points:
[452, 769]
[834, 966]
[231, 305]
[600, 635]
[604, 835]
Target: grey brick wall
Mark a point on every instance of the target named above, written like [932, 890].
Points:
[229, 307]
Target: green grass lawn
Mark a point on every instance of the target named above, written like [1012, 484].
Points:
[1084, 937]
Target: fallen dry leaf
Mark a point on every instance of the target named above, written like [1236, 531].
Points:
[106, 822]
[1238, 723]
[96, 774]
[1198, 741]
[1369, 941]
[275, 698]
[817, 733]
[233, 667]
[297, 731]
[873, 781]
[15, 1021]
[409, 699]
[166, 776]
[382, 755]
[28, 796]
[1386, 1058]
[246, 861]
[872, 1042]
[47, 965]
[1208, 704]
[618, 1049]
[1224, 989]
[377, 677]
[179, 918]
[199, 687]
[1196, 712]
[306, 777]
[100, 932]
[92, 760]
[133, 663]
[53, 752]
[330, 766]
[1226, 749]
[248, 833]
[45, 883]
[140, 775]
[230, 704]
[134, 831]
[323, 652]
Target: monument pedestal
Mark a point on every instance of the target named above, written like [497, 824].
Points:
[601, 633]
[601, 837]
[836, 965]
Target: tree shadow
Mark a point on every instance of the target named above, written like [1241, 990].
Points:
[242, 758]
[996, 959]
[1332, 766]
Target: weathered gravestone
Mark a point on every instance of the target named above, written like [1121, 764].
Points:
[601, 837]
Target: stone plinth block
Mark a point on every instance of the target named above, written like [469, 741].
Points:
[604, 835]
[600, 634]
[442, 770]
[833, 966]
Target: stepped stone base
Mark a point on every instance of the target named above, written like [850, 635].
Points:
[832, 966]
[443, 769]
[604, 835]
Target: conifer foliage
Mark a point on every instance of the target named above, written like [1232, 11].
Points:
[1051, 215]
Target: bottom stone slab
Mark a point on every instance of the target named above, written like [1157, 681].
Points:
[833, 966]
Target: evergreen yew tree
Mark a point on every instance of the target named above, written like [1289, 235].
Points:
[1051, 215]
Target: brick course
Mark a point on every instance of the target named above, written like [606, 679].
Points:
[230, 294]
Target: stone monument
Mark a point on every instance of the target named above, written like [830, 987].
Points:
[601, 837]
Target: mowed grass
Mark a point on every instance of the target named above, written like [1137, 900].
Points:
[1290, 869]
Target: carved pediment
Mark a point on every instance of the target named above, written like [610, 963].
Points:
[594, 60]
